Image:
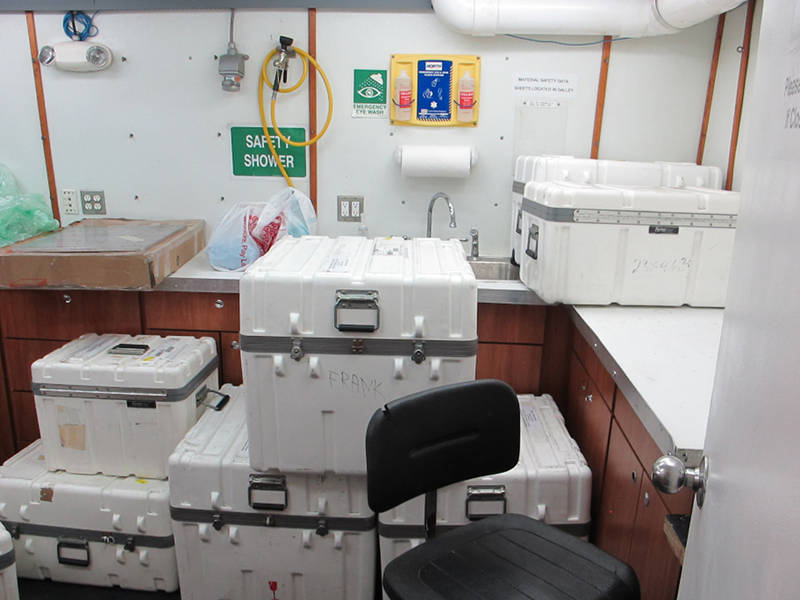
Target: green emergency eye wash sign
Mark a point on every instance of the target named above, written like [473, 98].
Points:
[369, 93]
[251, 155]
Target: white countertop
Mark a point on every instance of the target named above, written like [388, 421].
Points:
[665, 360]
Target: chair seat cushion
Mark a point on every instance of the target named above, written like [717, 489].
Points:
[509, 557]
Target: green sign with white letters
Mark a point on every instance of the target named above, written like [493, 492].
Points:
[251, 156]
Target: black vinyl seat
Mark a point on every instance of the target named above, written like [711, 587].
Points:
[431, 439]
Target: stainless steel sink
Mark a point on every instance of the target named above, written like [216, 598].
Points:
[494, 268]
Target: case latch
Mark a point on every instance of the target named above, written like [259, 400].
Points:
[418, 355]
[485, 501]
[297, 351]
[268, 492]
[532, 248]
[356, 310]
[71, 551]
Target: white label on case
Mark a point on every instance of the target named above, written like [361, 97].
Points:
[532, 423]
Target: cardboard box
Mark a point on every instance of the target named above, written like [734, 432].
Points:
[102, 254]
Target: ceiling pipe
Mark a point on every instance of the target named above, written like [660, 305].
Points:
[628, 18]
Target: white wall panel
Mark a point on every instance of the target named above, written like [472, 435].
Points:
[20, 134]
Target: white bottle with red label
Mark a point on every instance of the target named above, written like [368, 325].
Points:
[466, 98]
[402, 99]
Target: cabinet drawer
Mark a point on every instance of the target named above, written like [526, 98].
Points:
[519, 365]
[190, 311]
[511, 323]
[647, 451]
[65, 315]
[231, 359]
[20, 354]
[601, 377]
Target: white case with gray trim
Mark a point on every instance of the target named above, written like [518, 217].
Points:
[333, 328]
[87, 529]
[603, 244]
[551, 481]
[8, 567]
[239, 532]
[117, 404]
[604, 172]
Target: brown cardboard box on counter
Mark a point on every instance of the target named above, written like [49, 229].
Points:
[102, 254]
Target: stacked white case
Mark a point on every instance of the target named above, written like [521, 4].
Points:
[8, 568]
[598, 244]
[87, 529]
[551, 482]
[333, 328]
[117, 404]
[246, 534]
[603, 172]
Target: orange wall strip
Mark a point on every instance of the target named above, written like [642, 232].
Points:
[37, 77]
[601, 95]
[737, 113]
[712, 80]
[312, 106]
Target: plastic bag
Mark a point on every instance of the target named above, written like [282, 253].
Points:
[249, 229]
[21, 215]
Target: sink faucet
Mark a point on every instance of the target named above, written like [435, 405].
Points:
[473, 250]
[452, 210]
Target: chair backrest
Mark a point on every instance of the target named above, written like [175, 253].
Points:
[427, 440]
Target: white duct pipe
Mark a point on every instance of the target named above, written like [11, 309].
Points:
[628, 18]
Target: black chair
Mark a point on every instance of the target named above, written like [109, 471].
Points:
[424, 441]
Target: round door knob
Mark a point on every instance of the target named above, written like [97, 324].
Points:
[67, 298]
[219, 303]
[670, 475]
[235, 345]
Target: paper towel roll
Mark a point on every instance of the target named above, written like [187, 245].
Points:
[436, 161]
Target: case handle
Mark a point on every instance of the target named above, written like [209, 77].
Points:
[519, 221]
[533, 235]
[129, 349]
[356, 310]
[485, 501]
[73, 552]
[268, 492]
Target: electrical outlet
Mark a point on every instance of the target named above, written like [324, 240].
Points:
[93, 202]
[69, 202]
[349, 208]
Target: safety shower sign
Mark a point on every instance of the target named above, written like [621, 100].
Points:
[369, 93]
[251, 155]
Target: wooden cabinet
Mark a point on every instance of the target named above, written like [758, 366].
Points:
[650, 554]
[623, 480]
[518, 365]
[191, 311]
[20, 354]
[7, 443]
[231, 359]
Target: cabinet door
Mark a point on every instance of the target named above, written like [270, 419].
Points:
[519, 365]
[191, 311]
[231, 359]
[591, 421]
[511, 323]
[65, 315]
[623, 480]
[651, 555]
[26, 426]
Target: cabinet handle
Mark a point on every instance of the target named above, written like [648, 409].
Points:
[235, 345]
[647, 498]
[588, 399]
[633, 475]
[67, 298]
[219, 303]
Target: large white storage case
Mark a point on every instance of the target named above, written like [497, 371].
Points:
[605, 172]
[87, 529]
[598, 244]
[8, 568]
[119, 405]
[551, 482]
[332, 329]
[244, 534]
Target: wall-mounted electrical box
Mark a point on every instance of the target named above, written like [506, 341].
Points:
[438, 90]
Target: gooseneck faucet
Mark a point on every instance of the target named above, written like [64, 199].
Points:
[452, 210]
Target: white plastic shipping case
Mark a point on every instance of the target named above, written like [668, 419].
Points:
[604, 172]
[119, 405]
[600, 244]
[551, 481]
[8, 568]
[333, 328]
[87, 529]
[246, 534]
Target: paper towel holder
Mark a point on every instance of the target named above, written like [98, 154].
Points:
[473, 155]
